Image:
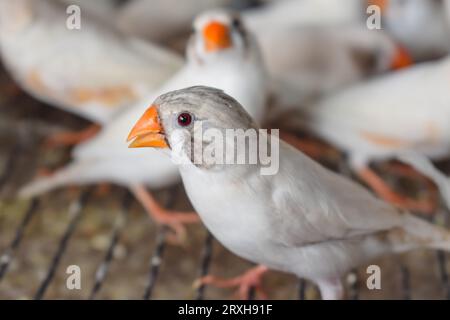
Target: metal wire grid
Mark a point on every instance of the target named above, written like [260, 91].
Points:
[77, 208]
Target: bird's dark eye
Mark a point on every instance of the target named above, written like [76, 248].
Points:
[184, 119]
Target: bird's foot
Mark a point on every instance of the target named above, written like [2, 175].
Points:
[426, 206]
[331, 289]
[244, 283]
[65, 139]
[175, 220]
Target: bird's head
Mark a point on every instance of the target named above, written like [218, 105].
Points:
[175, 119]
[216, 33]
[398, 56]
[377, 51]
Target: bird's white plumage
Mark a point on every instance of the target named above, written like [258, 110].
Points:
[409, 109]
[399, 115]
[315, 61]
[312, 48]
[278, 220]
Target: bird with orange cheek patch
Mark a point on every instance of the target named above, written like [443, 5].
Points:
[93, 71]
[220, 53]
[403, 115]
[421, 26]
[302, 219]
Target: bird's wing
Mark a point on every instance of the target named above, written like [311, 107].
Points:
[313, 204]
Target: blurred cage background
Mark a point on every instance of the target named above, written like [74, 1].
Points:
[121, 252]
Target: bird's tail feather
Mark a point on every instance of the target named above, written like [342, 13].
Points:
[70, 174]
[424, 166]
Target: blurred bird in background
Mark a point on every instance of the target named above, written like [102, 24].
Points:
[92, 72]
[316, 61]
[403, 116]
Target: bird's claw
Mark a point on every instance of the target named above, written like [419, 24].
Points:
[244, 283]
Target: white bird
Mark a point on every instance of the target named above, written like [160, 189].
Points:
[315, 61]
[312, 48]
[421, 26]
[304, 219]
[220, 53]
[403, 116]
[93, 71]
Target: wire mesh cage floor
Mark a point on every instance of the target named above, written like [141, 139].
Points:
[121, 252]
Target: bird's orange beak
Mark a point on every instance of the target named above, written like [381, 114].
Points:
[401, 59]
[148, 132]
[216, 36]
[382, 4]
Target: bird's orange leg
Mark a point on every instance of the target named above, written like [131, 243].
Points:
[405, 171]
[173, 219]
[386, 193]
[250, 279]
[72, 138]
[408, 172]
[312, 148]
